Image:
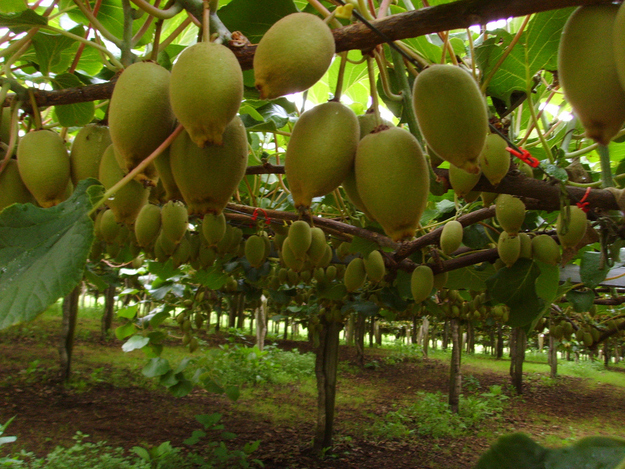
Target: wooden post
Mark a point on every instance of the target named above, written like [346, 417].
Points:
[455, 374]
[68, 330]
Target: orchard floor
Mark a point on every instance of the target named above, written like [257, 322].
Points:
[49, 414]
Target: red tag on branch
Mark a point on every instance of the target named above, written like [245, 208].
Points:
[583, 204]
[524, 156]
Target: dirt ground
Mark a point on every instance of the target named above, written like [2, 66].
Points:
[49, 414]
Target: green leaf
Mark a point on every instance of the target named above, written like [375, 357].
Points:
[12, 6]
[137, 341]
[539, 43]
[516, 451]
[254, 18]
[591, 272]
[125, 330]
[470, 278]
[232, 392]
[181, 388]
[593, 452]
[516, 287]
[548, 282]
[43, 253]
[363, 246]
[22, 21]
[554, 170]
[156, 367]
[336, 292]
[195, 437]
[96, 280]
[163, 271]
[72, 115]
[581, 301]
[213, 277]
[51, 52]
[128, 312]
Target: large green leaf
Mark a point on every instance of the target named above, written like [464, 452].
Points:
[537, 49]
[52, 52]
[12, 6]
[516, 287]
[72, 115]
[515, 451]
[43, 253]
[254, 18]
[22, 21]
[592, 270]
[470, 278]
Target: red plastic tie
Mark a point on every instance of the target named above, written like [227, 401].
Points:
[255, 215]
[585, 206]
[524, 156]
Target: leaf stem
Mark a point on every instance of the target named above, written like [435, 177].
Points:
[606, 172]
[97, 25]
[157, 12]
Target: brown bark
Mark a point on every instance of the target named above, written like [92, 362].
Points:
[109, 308]
[455, 374]
[553, 357]
[327, 355]
[68, 329]
[359, 338]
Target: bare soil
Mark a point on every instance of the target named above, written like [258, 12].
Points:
[49, 414]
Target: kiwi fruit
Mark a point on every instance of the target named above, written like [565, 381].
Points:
[374, 266]
[148, 225]
[393, 181]
[213, 228]
[299, 238]
[510, 213]
[452, 114]
[355, 275]
[321, 151]
[292, 55]
[421, 283]
[87, 150]
[140, 115]
[12, 188]
[573, 232]
[127, 202]
[255, 251]
[451, 237]
[44, 166]
[166, 177]
[175, 221]
[588, 73]
[207, 177]
[462, 182]
[205, 91]
[508, 248]
[545, 249]
[494, 159]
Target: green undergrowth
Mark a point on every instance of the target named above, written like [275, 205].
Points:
[429, 415]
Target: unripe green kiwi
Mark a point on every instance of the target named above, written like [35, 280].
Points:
[545, 249]
[355, 274]
[368, 122]
[140, 116]
[289, 257]
[175, 220]
[166, 244]
[300, 238]
[108, 227]
[213, 228]
[205, 90]
[508, 248]
[351, 191]
[12, 189]
[87, 149]
[451, 237]
[207, 177]
[182, 253]
[327, 257]
[331, 272]
[127, 202]
[510, 213]
[44, 167]
[526, 246]
[462, 182]
[393, 180]
[255, 250]
[317, 248]
[488, 198]
[570, 235]
[5, 125]
[321, 151]
[619, 44]
[587, 69]
[292, 55]
[494, 160]
[421, 283]
[452, 114]
[207, 256]
[148, 225]
[224, 243]
[166, 177]
[374, 265]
